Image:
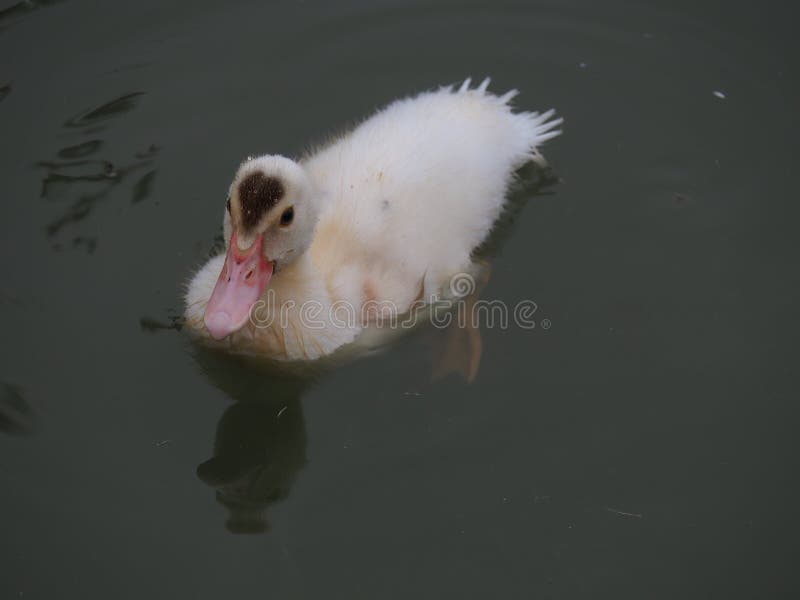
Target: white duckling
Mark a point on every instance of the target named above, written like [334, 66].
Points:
[386, 214]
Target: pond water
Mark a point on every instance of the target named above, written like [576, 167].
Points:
[644, 445]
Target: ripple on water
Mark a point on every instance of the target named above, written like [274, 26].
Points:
[16, 415]
[104, 112]
[81, 177]
[20, 10]
[80, 150]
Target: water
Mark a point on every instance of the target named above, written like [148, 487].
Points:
[642, 446]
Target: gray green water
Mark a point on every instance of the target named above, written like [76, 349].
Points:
[642, 447]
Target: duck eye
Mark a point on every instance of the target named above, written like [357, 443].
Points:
[287, 216]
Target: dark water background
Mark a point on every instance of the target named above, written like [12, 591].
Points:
[644, 446]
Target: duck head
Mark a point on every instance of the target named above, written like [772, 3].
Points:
[269, 221]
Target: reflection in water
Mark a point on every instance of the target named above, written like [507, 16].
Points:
[260, 443]
[16, 415]
[258, 451]
[458, 349]
[81, 179]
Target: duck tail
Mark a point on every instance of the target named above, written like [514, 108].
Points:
[542, 127]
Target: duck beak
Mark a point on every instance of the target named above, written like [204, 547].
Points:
[242, 281]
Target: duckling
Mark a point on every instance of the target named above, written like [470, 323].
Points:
[384, 216]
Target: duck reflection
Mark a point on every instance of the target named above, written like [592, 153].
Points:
[260, 444]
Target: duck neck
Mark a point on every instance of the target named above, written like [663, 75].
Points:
[294, 316]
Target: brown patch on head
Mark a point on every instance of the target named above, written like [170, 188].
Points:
[257, 194]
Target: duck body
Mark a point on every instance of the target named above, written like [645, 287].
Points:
[403, 200]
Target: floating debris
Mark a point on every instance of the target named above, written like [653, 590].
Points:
[622, 513]
[720, 95]
[151, 325]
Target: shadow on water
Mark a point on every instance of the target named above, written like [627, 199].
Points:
[260, 443]
[5, 91]
[530, 181]
[16, 415]
[81, 177]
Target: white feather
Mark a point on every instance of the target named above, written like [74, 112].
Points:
[404, 199]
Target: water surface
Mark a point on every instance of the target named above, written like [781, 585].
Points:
[642, 446]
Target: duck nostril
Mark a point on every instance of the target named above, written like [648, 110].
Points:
[249, 275]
